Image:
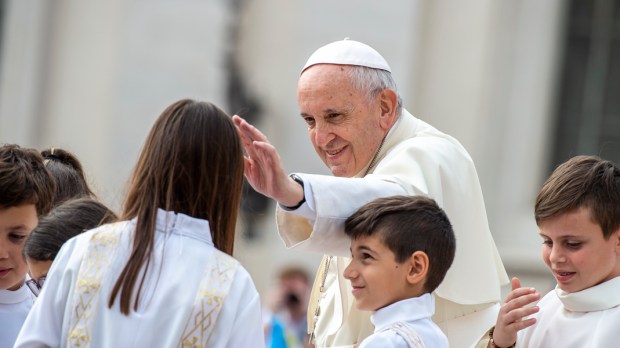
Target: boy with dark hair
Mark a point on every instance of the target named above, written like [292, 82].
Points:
[26, 191]
[578, 213]
[401, 247]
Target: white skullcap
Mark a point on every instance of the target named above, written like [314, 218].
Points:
[348, 52]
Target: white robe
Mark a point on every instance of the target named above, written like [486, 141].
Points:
[416, 159]
[14, 307]
[587, 318]
[413, 316]
[193, 294]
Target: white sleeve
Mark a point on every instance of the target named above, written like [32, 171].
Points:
[247, 327]
[44, 324]
[317, 226]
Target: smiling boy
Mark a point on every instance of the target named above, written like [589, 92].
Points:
[26, 190]
[578, 213]
[401, 247]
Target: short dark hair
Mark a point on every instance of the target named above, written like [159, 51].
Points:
[406, 224]
[24, 179]
[68, 175]
[582, 181]
[64, 222]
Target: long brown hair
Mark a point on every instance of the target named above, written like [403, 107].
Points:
[191, 163]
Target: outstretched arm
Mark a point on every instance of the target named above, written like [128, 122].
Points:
[263, 168]
[510, 319]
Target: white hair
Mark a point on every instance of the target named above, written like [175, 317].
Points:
[372, 82]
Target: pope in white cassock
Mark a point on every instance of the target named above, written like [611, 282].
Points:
[374, 148]
[164, 277]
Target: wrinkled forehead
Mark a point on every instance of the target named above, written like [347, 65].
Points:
[323, 74]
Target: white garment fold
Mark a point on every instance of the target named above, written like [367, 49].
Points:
[416, 159]
[202, 297]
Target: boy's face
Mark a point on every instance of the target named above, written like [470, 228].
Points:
[576, 251]
[377, 279]
[16, 223]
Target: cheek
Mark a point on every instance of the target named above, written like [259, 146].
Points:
[17, 257]
[545, 252]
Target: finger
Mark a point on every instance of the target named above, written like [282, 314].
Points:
[520, 302]
[520, 325]
[518, 293]
[516, 283]
[519, 314]
[237, 119]
[249, 130]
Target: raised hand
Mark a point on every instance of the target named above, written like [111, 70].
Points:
[512, 313]
[263, 168]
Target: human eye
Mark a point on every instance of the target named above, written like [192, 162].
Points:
[573, 244]
[333, 116]
[309, 121]
[17, 237]
[366, 257]
[547, 242]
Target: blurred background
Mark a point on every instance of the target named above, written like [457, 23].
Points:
[523, 84]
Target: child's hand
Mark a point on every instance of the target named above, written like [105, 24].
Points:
[510, 317]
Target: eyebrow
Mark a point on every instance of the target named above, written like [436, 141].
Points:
[330, 111]
[568, 236]
[364, 248]
[17, 227]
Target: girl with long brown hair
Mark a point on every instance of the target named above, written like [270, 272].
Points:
[163, 277]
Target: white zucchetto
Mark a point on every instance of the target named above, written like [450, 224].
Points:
[348, 52]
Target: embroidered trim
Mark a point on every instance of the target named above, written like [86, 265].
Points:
[408, 333]
[95, 264]
[214, 287]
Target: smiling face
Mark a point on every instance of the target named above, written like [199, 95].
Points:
[344, 127]
[16, 223]
[576, 252]
[377, 279]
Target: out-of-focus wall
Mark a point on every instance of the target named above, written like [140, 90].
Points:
[92, 76]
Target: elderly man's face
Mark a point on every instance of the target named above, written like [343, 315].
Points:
[344, 128]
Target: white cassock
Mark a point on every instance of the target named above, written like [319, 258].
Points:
[14, 307]
[415, 159]
[193, 296]
[587, 318]
[406, 324]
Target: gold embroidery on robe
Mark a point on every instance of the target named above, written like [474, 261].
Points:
[214, 287]
[94, 265]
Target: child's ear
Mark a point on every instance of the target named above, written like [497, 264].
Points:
[418, 268]
[616, 237]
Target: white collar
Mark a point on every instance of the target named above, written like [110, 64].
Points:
[181, 224]
[410, 309]
[597, 298]
[16, 296]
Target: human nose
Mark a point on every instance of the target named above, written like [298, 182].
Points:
[556, 255]
[350, 272]
[322, 134]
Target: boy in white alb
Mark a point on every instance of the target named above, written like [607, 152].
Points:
[578, 214]
[401, 247]
[26, 189]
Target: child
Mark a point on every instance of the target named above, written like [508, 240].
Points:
[578, 214]
[26, 190]
[162, 277]
[401, 247]
[63, 223]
